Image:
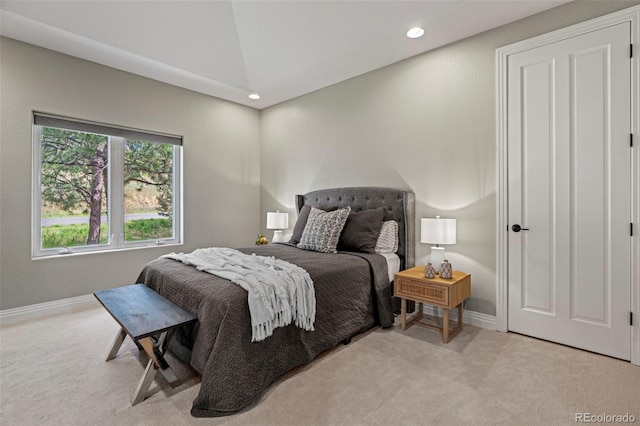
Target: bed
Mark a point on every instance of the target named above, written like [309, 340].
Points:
[352, 290]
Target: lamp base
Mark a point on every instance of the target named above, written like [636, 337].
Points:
[437, 257]
[277, 237]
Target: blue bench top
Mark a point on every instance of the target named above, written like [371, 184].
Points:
[141, 311]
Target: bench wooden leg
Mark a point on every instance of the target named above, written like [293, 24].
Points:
[115, 346]
[145, 382]
[156, 363]
[156, 353]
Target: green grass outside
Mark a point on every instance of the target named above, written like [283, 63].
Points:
[147, 229]
[57, 236]
[74, 235]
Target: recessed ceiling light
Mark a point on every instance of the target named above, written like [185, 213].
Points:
[415, 32]
[254, 96]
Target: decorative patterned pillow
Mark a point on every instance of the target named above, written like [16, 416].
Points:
[388, 239]
[322, 231]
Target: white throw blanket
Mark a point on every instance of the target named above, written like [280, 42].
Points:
[279, 291]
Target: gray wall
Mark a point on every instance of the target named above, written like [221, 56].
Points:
[221, 166]
[426, 124]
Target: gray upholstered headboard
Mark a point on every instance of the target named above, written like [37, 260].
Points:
[398, 205]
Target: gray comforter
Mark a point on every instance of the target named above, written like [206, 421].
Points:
[352, 294]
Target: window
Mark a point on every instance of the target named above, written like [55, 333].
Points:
[98, 187]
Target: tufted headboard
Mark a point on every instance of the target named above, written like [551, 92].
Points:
[398, 205]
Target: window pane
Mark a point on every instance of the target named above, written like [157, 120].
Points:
[74, 176]
[96, 191]
[148, 190]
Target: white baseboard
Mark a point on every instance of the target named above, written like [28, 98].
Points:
[10, 316]
[474, 318]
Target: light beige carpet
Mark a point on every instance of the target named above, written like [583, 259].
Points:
[52, 372]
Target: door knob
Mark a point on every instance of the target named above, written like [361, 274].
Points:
[518, 228]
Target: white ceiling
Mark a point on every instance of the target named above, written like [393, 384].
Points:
[229, 49]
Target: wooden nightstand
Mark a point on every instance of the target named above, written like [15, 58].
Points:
[444, 293]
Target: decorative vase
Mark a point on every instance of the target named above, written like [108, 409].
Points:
[446, 270]
[429, 271]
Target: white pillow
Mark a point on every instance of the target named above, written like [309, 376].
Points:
[388, 239]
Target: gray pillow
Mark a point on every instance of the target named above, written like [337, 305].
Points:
[362, 230]
[322, 231]
[300, 224]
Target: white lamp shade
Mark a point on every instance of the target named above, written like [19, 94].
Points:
[438, 231]
[277, 220]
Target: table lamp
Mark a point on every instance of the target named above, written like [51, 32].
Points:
[437, 231]
[278, 221]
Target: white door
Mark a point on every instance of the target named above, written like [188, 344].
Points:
[569, 188]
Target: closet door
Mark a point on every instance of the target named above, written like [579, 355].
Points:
[569, 191]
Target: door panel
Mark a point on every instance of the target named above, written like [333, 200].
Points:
[569, 183]
[538, 284]
[590, 185]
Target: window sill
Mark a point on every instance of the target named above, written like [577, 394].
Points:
[114, 250]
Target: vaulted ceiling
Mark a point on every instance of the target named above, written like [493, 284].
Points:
[230, 49]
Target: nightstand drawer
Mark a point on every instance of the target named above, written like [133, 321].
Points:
[420, 291]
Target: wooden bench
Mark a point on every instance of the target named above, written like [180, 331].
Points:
[150, 320]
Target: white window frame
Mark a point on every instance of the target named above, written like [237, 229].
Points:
[115, 240]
